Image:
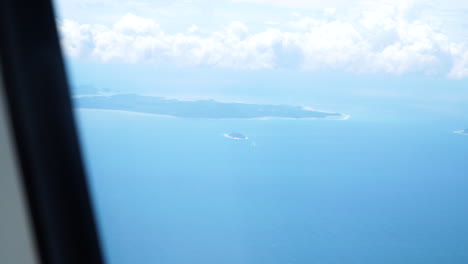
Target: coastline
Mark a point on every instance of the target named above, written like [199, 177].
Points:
[236, 138]
[461, 132]
[340, 117]
[125, 112]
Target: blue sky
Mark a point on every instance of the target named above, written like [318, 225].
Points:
[276, 51]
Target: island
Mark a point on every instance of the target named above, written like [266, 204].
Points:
[199, 108]
[462, 132]
[236, 135]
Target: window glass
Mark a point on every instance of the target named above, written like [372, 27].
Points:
[283, 131]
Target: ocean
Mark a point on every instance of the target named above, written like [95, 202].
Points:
[176, 191]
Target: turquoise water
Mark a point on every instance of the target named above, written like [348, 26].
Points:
[175, 191]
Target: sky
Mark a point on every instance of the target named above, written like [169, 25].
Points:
[279, 51]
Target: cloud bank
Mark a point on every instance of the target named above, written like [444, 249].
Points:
[381, 41]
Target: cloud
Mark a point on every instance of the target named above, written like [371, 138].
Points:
[320, 4]
[130, 24]
[300, 3]
[460, 61]
[381, 41]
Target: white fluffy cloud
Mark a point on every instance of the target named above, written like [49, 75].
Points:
[314, 4]
[460, 63]
[381, 41]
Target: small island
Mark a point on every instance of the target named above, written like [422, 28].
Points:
[236, 135]
[462, 132]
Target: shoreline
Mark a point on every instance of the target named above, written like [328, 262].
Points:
[340, 117]
[236, 138]
[461, 132]
[126, 112]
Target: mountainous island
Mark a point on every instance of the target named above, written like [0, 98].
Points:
[197, 109]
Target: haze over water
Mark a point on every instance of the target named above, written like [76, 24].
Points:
[173, 190]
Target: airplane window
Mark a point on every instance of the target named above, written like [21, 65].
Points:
[292, 132]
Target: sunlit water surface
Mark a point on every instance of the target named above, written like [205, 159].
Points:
[176, 191]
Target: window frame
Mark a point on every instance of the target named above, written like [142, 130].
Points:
[45, 134]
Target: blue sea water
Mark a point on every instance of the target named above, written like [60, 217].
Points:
[176, 191]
